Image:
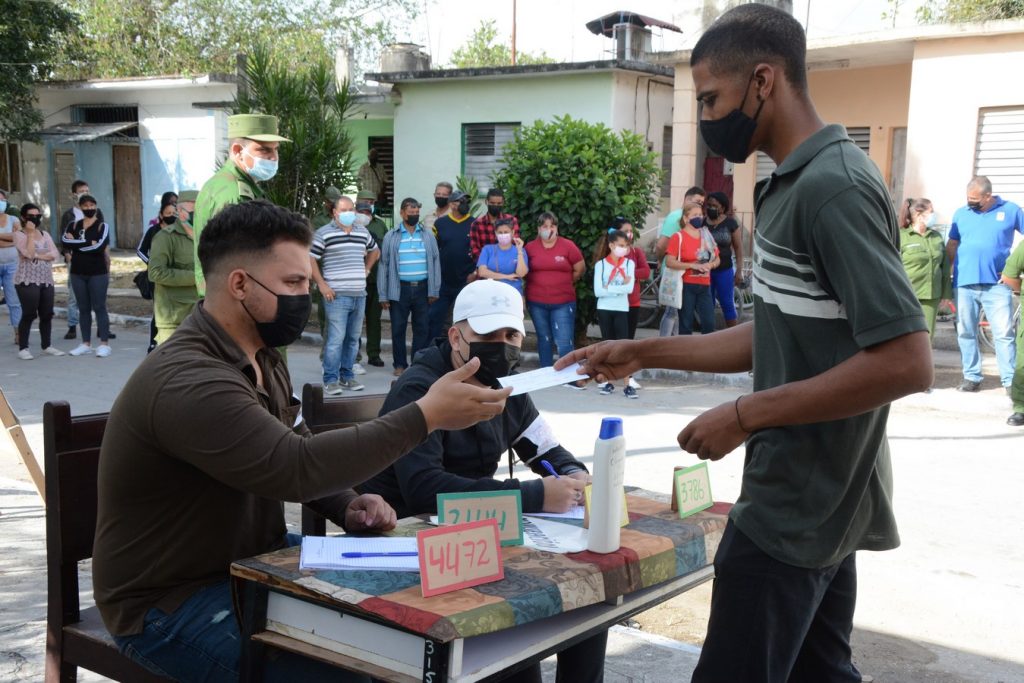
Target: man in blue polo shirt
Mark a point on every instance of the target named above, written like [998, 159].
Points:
[408, 280]
[979, 243]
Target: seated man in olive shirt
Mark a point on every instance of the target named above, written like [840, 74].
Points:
[203, 444]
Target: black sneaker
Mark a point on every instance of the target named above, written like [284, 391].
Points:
[111, 335]
[72, 333]
[1016, 420]
[607, 389]
[969, 386]
[630, 392]
[376, 362]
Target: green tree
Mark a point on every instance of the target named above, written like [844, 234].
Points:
[117, 38]
[29, 33]
[481, 50]
[584, 173]
[961, 11]
[311, 108]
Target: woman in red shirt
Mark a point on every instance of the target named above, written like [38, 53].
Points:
[692, 250]
[555, 266]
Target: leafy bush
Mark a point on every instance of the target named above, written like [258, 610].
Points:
[584, 173]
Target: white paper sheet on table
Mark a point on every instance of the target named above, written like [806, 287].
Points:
[555, 537]
[324, 552]
[543, 378]
[575, 512]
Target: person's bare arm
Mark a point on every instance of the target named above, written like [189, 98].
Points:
[370, 260]
[951, 247]
[578, 269]
[737, 250]
[1011, 282]
[325, 290]
[660, 247]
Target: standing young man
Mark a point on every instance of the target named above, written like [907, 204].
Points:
[830, 349]
[342, 255]
[482, 232]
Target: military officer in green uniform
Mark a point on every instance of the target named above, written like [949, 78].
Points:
[923, 252]
[252, 157]
[325, 215]
[1011, 276]
[365, 207]
[172, 270]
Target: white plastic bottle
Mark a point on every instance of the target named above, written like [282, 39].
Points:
[606, 489]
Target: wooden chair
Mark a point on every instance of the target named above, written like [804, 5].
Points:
[75, 637]
[323, 414]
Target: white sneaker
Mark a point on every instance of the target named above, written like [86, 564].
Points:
[333, 389]
[633, 383]
[103, 351]
[25, 354]
[81, 350]
[49, 350]
[358, 369]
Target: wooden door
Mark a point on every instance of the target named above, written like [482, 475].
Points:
[127, 196]
[63, 176]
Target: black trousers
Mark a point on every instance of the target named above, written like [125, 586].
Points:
[772, 622]
[36, 301]
[634, 318]
[613, 324]
[581, 663]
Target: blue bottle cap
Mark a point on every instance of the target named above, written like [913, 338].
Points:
[611, 427]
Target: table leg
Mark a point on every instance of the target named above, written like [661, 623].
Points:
[435, 661]
[252, 605]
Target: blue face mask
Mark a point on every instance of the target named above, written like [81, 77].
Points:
[930, 222]
[697, 222]
[347, 218]
[3, 205]
[262, 169]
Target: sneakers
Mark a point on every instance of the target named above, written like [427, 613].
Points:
[1016, 420]
[103, 351]
[358, 369]
[634, 384]
[630, 392]
[376, 362]
[25, 354]
[578, 385]
[49, 350]
[333, 389]
[607, 389]
[72, 333]
[111, 335]
[351, 385]
[81, 350]
[969, 386]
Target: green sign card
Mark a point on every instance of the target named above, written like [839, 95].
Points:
[693, 489]
[505, 507]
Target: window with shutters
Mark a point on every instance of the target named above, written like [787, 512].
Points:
[666, 162]
[999, 152]
[10, 166]
[861, 136]
[482, 147]
[103, 113]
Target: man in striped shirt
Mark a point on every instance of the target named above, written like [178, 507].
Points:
[342, 255]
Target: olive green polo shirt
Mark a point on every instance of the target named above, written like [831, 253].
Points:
[229, 185]
[927, 265]
[828, 283]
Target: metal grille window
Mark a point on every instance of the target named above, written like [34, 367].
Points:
[483, 145]
[999, 153]
[101, 113]
[10, 166]
[861, 136]
[666, 162]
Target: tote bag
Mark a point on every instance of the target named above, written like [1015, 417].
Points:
[670, 289]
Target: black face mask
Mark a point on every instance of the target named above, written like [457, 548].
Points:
[713, 213]
[494, 210]
[974, 206]
[34, 220]
[412, 219]
[291, 318]
[88, 213]
[441, 201]
[169, 220]
[464, 207]
[730, 135]
[497, 359]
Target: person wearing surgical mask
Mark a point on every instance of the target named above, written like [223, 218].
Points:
[457, 266]
[923, 252]
[9, 263]
[614, 276]
[506, 260]
[341, 257]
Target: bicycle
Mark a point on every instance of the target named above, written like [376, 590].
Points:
[651, 311]
[984, 333]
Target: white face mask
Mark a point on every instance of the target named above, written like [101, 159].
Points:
[505, 238]
[362, 220]
[619, 252]
[546, 234]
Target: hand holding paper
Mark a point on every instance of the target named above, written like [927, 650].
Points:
[543, 378]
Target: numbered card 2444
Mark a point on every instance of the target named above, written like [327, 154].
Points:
[459, 556]
[505, 507]
[693, 489]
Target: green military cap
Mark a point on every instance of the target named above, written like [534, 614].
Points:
[259, 127]
[332, 194]
[366, 194]
[188, 195]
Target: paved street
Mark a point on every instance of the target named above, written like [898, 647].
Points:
[944, 607]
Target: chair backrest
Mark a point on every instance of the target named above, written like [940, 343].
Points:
[71, 456]
[321, 415]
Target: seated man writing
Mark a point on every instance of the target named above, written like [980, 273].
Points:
[203, 444]
[488, 326]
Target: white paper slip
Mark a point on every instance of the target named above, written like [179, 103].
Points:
[555, 537]
[536, 380]
[325, 552]
[575, 512]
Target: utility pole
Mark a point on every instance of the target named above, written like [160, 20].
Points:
[513, 32]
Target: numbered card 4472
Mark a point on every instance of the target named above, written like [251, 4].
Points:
[459, 556]
[693, 489]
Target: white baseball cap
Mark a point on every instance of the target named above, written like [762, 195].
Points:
[489, 305]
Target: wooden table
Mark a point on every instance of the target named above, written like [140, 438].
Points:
[379, 624]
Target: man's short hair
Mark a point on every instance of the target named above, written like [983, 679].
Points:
[750, 34]
[695, 190]
[407, 202]
[339, 199]
[981, 183]
[444, 183]
[247, 230]
[77, 184]
[495, 192]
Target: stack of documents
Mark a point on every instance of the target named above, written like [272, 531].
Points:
[342, 552]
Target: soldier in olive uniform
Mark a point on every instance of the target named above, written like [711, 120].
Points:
[171, 269]
[252, 157]
[377, 227]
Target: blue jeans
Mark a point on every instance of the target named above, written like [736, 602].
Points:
[997, 300]
[72, 307]
[91, 293]
[344, 318]
[554, 323]
[440, 309]
[200, 640]
[7, 271]
[722, 285]
[669, 322]
[697, 298]
[413, 302]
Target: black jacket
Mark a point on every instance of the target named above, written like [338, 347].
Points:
[465, 460]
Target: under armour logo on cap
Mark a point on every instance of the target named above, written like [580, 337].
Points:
[495, 300]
